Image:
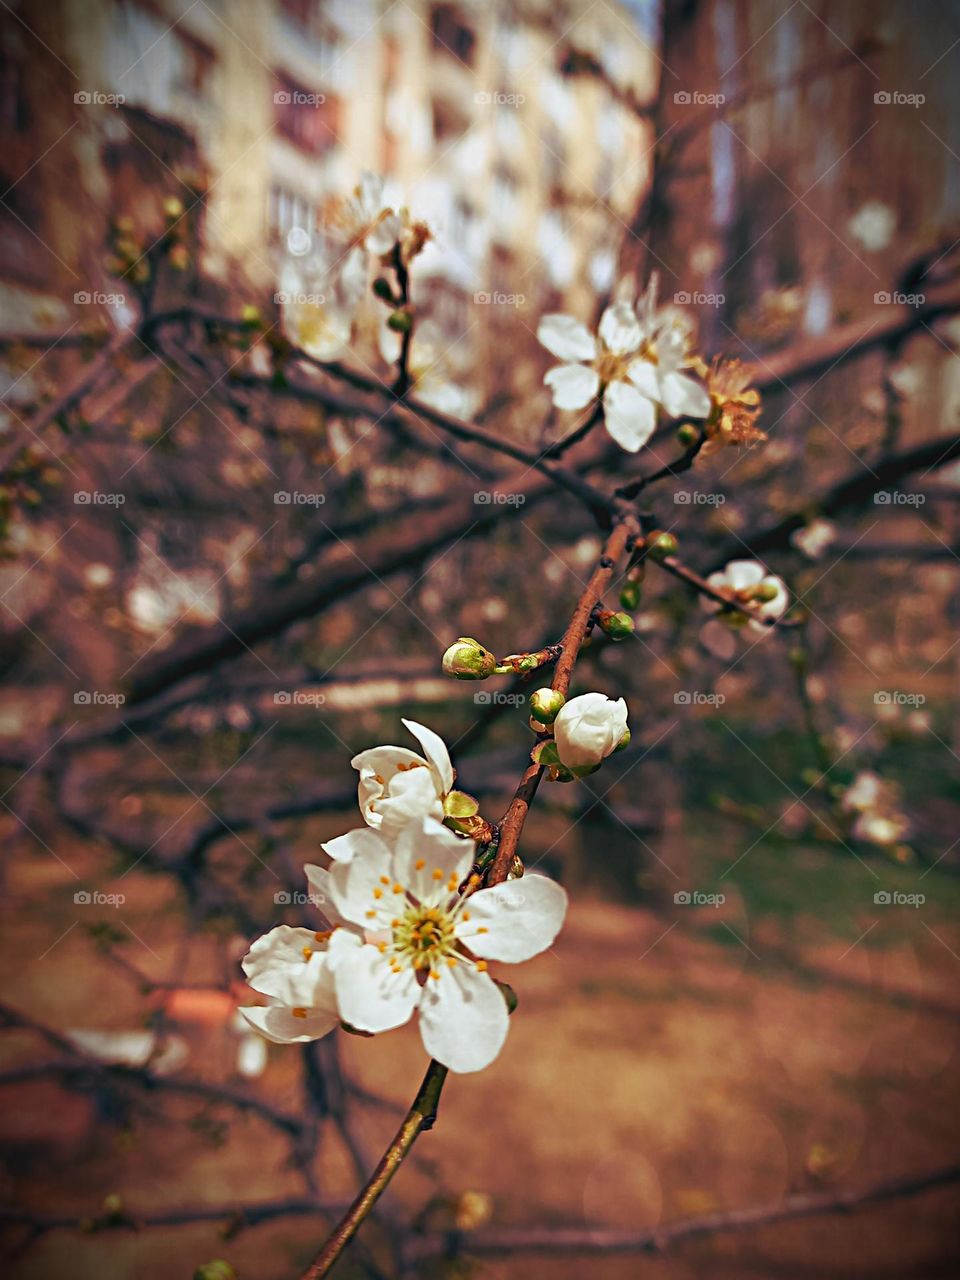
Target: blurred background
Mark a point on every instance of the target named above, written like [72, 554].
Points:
[228, 566]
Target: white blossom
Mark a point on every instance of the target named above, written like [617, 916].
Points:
[633, 366]
[412, 942]
[396, 784]
[588, 728]
[293, 968]
[748, 583]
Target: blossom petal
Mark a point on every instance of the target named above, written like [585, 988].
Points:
[629, 416]
[643, 374]
[412, 795]
[588, 728]
[683, 397]
[282, 1026]
[370, 193]
[566, 338]
[435, 750]
[370, 995]
[437, 848]
[287, 964]
[321, 892]
[463, 1018]
[360, 842]
[383, 235]
[573, 385]
[520, 918]
[619, 329]
[743, 574]
[357, 890]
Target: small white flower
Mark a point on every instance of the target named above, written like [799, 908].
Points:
[634, 365]
[815, 538]
[873, 225]
[425, 947]
[749, 583]
[396, 784]
[866, 791]
[588, 728]
[293, 967]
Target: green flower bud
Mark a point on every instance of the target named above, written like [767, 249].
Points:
[766, 591]
[687, 434]
[616, 625]
[250, 315]
[545, 705]
[400, 321]
[113, 1205]
[661, 544]
[623, 743]
[457, 804]
[382, 289]
[630, 595]
[216, 1270]
[467, 659]
[546, 754]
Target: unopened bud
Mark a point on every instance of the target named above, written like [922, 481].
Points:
[661, 544]
[545, 704]
[216, 1270]
[687, 434]
[250, 315]
[766, 592]
[173, 208]
[467, 659]
[630, 595]
[400, 321]
[615, 625]
[383, 289]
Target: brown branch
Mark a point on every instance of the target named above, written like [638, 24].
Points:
[511, 824]
[608, 1241]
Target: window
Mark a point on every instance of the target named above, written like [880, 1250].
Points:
[451, 33]
[305, 117]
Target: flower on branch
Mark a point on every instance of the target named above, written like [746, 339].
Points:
[588, 729]
[747, 583]
[873, 803]
[416, 943]
[634, 365]
[396, 784]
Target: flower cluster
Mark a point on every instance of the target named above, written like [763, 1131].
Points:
[409, 927]
[636, 365]
[872, 803]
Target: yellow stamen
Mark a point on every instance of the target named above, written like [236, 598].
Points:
[419, 864]
[378, 893]
[384, 879]
[299, 1013]
[438, 874]
[481, 966]
[307, 952]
